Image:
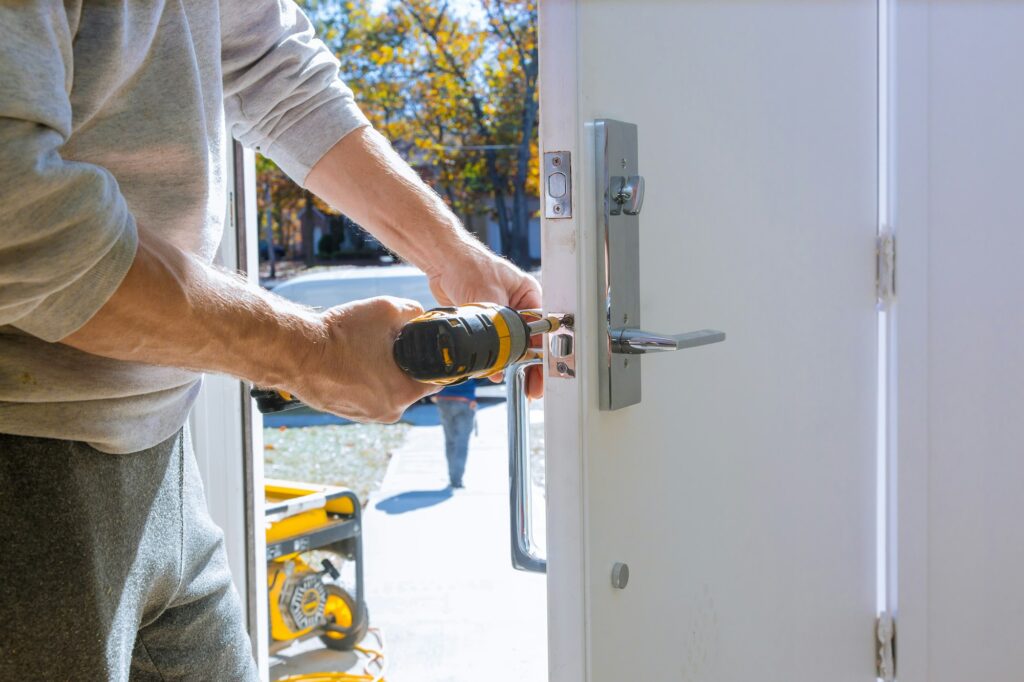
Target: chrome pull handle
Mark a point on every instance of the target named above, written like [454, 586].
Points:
[638, 341]
[525, 555]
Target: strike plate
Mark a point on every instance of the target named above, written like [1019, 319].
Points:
[557, 185]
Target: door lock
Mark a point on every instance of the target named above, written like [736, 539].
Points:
[561, 348]
[620, 196]
[628, 195]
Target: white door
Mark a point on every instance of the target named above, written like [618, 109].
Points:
[740, 491]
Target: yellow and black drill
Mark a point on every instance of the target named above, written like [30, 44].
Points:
[446, 346]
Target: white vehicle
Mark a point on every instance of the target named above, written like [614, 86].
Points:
[334, 287]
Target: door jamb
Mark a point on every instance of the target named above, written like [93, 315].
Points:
[563, 269]
[245, 221]
[227, 431]
[908, 398]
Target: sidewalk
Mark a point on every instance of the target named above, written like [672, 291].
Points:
[439, 580]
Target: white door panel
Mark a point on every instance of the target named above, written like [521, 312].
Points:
[741, 490]
[959, 216]
[976, 344]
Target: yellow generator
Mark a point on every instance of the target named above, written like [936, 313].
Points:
[314, 565]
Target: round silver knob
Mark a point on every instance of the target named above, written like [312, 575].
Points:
[620, 575]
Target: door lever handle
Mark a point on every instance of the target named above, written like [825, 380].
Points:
[637, 341]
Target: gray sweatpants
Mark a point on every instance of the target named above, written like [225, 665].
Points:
[111, 568]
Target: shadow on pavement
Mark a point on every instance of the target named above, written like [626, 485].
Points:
[413, 500]
[420, 414]
[310, 657]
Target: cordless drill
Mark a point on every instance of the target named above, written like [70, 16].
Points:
[446, 346]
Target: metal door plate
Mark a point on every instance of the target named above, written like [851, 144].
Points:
[557, 185]
[562, 348]
[618, 261]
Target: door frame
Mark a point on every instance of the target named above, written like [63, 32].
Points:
[563, 247]
[227, 432]
[911, 385]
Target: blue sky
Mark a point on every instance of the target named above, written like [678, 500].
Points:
[469, 8]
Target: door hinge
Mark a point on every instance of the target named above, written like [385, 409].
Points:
[885, 642]
[885, 270]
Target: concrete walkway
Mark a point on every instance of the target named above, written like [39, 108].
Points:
[439, 581]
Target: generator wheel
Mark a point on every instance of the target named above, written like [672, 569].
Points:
[342, 611]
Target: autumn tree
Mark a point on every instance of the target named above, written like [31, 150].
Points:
[456, 97]
[479, 96]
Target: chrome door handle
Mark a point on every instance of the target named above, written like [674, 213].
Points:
[525, 555]
[638, 341]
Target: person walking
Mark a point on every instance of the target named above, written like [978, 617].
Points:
[114, 123]
[457, 407]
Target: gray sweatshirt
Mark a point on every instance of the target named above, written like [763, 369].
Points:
[112, 116]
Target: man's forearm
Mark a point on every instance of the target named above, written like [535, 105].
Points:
[172, 309]
[366, 179]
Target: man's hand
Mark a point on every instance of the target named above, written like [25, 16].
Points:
[352, 373]
[476, 275]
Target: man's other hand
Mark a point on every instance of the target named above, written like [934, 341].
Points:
[479, 276]
[350, 371]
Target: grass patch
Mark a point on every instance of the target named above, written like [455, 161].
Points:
[354, 455]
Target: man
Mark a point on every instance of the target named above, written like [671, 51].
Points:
[113, 201]
[457, 407]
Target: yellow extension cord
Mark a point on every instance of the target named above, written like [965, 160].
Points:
[376, 661]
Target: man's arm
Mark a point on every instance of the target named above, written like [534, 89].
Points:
[283, 96]
[364, 177]
[339, 360]
[172, 309]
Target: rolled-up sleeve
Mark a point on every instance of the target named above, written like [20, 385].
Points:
[67, 238]
[282, 92]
